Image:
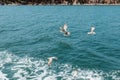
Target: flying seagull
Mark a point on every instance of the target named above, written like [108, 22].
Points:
[64, 30]
[92, 31]
[50, 59]
[74, 73]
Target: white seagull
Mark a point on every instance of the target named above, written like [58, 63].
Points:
[64, 30]
[50, 59]
[92, 31]
[75, 73]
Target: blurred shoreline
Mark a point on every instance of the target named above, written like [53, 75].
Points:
[60, 2]
[63, 4]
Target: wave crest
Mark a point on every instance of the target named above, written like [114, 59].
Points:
[29, 68]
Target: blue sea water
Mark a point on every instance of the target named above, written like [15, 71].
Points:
[30, 34]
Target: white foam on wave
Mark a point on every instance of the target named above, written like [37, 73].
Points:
[4, 58]
[3, 76]
[27, 68]
[115, 75]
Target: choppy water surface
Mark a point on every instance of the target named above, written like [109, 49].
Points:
[30, 34]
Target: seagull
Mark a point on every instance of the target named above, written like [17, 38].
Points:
[50, 59]
[92, 31]
[74, 73]
[64, 30]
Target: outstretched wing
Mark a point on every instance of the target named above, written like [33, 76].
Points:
[65, 27]
[92, 28]
[54, 58]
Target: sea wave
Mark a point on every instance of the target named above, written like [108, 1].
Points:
[30, 68]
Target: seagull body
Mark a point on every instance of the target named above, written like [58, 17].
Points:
[92, 31]
[75, 73]
[50, 59]
[66, 33]
[64, 30]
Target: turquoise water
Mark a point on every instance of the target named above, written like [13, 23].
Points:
[30, 34]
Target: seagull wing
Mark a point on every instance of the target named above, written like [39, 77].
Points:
[65, 27]
[54, 58]
[92, 29]
[49, 61]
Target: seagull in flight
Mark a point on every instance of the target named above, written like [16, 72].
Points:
[75, 73]
[64, 30]
[50, 59]
[92, 31]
